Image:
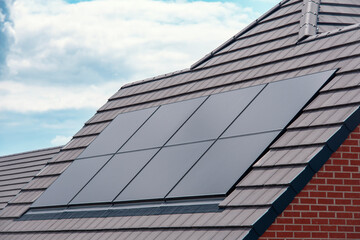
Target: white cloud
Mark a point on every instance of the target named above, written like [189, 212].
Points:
[60, 140]
[77, 55]
[23, 97]
[107, 39]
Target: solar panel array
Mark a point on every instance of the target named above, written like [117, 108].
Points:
[193, 148]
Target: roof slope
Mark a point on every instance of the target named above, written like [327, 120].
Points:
[338, 14]
[18, 169]
[266, 51]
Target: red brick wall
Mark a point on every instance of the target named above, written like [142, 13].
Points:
[329, 206]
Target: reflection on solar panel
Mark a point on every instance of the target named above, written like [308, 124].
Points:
[194, 148]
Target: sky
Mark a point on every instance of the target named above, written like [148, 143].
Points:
[61, 60]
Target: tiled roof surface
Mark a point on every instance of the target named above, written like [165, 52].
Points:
[267, 51]
[338, 14]
[18, 169]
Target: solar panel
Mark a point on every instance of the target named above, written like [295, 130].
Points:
[163, 172]
[219, 169]
[162, 125]
[114, 176]
[193, 148]
[70, 182]
[277, 104]
[218, 111]
[117, 133]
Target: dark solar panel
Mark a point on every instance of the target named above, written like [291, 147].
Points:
[115, 175]
[215, 115]
[163, 172]
[162, 125]
[219, 169]
[277, 104]
[117, 133]
[71, 181]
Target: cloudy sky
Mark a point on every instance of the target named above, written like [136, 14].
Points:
[61, 60]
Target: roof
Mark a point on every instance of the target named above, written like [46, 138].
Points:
[17, 170]
[269, 50]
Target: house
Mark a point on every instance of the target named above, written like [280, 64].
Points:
[303, 181]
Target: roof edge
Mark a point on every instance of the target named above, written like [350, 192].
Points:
[233, 38]
[300, 181]
[33, 151]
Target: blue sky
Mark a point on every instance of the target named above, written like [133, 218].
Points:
[61, 60]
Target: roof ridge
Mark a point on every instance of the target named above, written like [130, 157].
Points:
[243, 31]
[309, 18]
[158, 77]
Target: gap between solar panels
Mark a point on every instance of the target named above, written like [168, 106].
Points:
[193, 149]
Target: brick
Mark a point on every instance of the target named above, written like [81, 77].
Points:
[353, 235]
[337, 235]
[326, 214]
[303, 194]
[352, 181]
[302, 235]
[308, 200]
[317, 181]
[319, 234]
[350, 155]
[326, 188]
[350, 142]
[284, 234]
[318, 207]
[343, 202]
[355, 162]
[343, 188]
[284, 220]
[341, 162]
[318, 194]
[355, 175]
[352, 195]
[350, 169]
[323, 175]
[328, 228]
[335, 195]
[293, 228]
[335, 181]
[355, 149]
[353, 222]
[336, 208]
[291, 214]
[346, 228]
[301, 207]
[355, 188]
[336, 155]
[332, 168]
[302, 221]
[352, 208]
[342, 175]
[325, 201]
[344, 215]
[309, 214]
[337, 221]
[310, 228]
[319, 221]
[277, 227]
